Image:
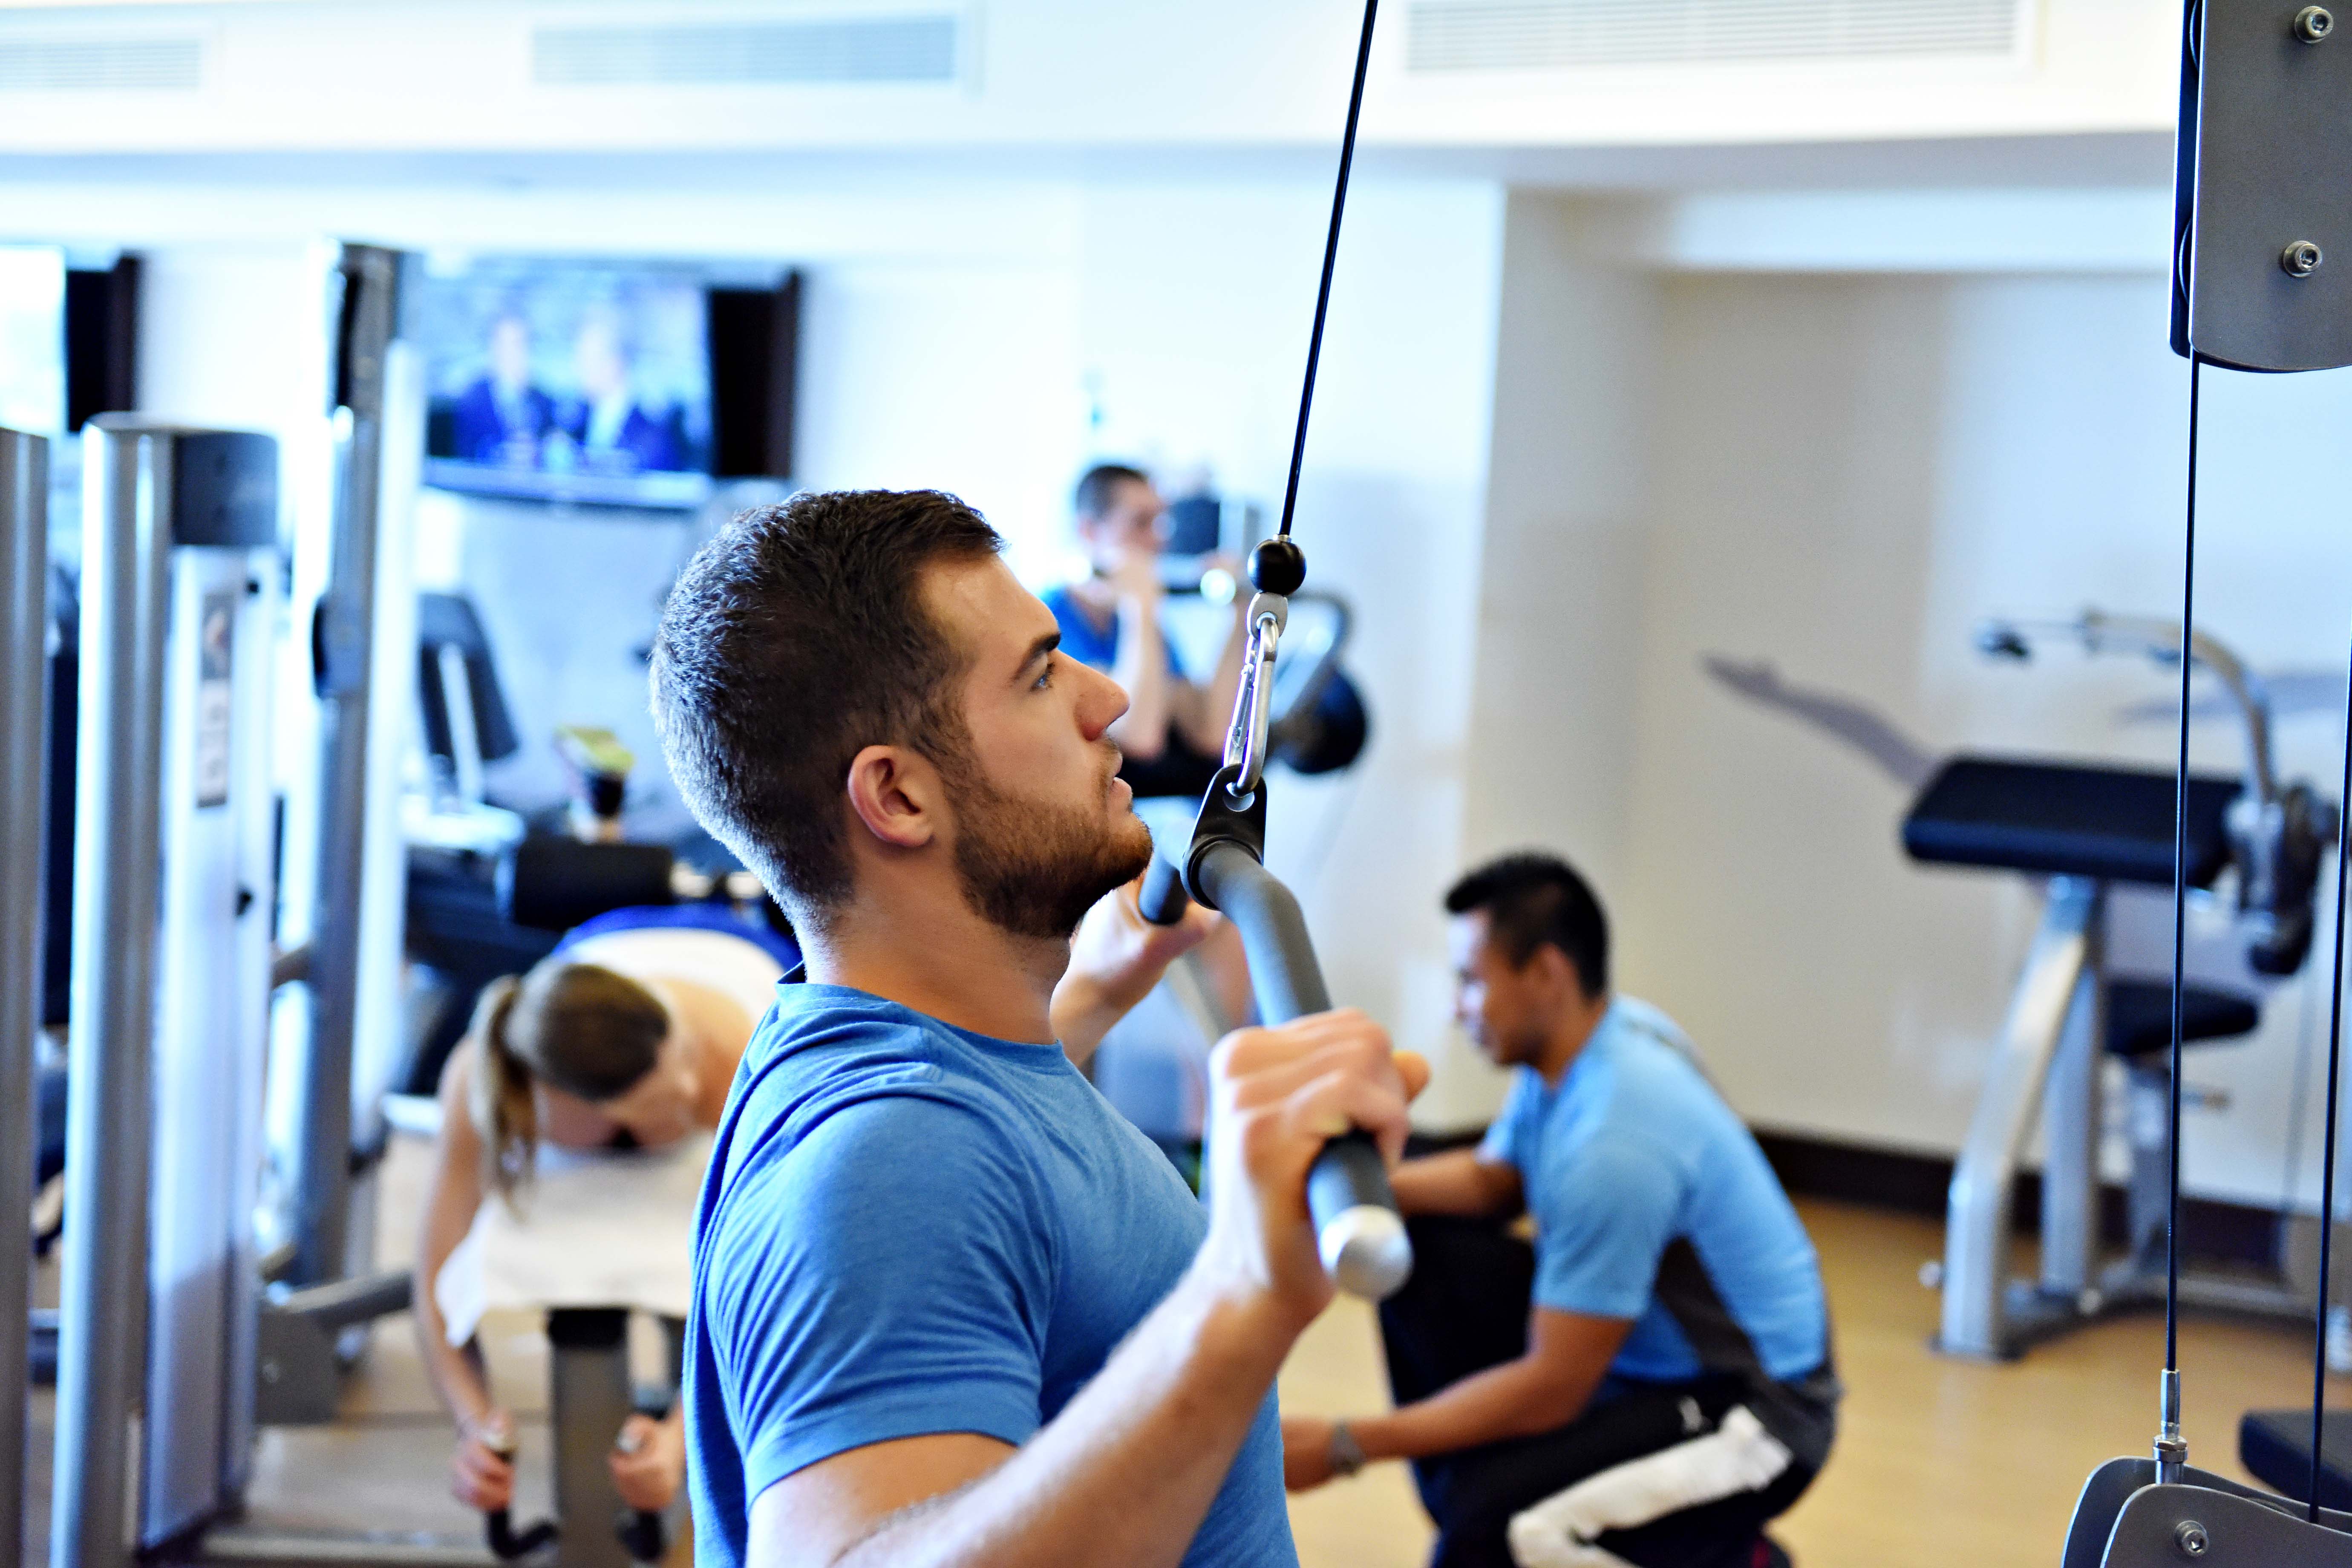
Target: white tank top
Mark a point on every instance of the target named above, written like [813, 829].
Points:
[604, 1227]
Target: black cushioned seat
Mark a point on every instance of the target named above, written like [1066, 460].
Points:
[2115, 825]
[2140, 1016]
[2275, 1447]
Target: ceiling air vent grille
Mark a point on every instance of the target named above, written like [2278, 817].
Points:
[101, 65]
[902, 48]
[1563, 34]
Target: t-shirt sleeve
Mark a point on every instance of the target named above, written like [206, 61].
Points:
[1600, 1236]
[1501, 1146]
[885, 1279]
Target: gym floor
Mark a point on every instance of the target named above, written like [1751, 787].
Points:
[1940, 1462]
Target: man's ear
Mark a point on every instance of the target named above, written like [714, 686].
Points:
[897, 795]
[1557, 970]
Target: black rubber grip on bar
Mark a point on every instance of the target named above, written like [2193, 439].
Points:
[1350, 1173]
[1161, 899]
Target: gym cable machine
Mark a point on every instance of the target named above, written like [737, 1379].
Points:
[1357, 1229]
[2262, 172]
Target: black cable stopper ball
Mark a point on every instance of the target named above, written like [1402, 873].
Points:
[1278, 566]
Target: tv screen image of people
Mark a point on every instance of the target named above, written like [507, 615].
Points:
[567, 381]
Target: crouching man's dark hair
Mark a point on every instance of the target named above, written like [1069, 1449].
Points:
[795, 639]
[1531, 899]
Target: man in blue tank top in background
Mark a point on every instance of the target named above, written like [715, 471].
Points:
[949, 1307]
[1651, 1381]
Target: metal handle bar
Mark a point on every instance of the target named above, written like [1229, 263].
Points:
[2097, 632]
[1358, 1231]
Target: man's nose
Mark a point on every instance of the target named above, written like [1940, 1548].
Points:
[1101, 705]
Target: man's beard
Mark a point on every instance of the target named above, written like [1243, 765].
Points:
[1034, 868]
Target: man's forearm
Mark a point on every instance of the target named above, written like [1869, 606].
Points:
[1142, 671]
[1516, 1399]
[1211, 709]
[1124, 1475]
[1455, 1182]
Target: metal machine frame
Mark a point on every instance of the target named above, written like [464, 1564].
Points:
[2053, 1047]
[24, 784]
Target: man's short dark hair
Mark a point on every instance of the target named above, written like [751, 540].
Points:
[1531, 899]
[794, 639]
[1098, 487]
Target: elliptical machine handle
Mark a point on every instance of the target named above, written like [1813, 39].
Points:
[1357, 1229]
[498, 1523]
[505, 1544]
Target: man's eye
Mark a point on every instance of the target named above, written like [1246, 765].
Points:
[1045, 676]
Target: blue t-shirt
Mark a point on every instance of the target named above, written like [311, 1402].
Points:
[1092, 645]
[1653, 1202]
[908, 1230]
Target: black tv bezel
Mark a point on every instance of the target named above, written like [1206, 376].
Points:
[751, 344]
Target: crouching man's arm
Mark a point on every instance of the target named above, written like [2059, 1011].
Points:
[1568, 1354]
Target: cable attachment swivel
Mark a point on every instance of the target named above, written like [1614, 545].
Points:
[1245, 742]
[1277, 567]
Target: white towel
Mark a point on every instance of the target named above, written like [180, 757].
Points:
[598, 1228]
[1738, 1457]
[590, 1229]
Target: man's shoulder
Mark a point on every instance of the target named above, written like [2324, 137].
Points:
[843, 1079]
[1645, 1098]
[1653, 1060]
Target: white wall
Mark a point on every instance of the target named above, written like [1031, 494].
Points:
[457, 76]
[1196, 303]
[950, 375]
[1849, 471]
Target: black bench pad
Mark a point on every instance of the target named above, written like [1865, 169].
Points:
[2140, 1016]
[2275, 1447]
[2113, 825]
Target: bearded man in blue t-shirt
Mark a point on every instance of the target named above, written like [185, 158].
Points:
[1650, 1380]
[949, 1307]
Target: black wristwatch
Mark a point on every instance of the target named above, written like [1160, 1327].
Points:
[1347, 1455]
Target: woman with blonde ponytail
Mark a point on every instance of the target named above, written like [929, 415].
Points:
[579, 1103]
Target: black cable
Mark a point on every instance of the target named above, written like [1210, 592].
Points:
[1330, 256]
[2180, 897]
[2327, 1157]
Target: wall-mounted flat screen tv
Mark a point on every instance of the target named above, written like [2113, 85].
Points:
[599, 382]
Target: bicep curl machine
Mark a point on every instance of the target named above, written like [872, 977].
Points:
[2263, 195]
[1357, 1227]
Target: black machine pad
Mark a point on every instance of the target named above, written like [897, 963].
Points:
[2068, 819]
[2140, 1016]
[2275, 1447]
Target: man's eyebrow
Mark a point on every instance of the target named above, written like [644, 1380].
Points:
[1041, 648]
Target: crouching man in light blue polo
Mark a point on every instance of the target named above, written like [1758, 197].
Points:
[1651, 1382]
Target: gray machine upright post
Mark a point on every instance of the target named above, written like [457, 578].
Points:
[24, 779]
[125, 613]
[368, 322]
[173, 892]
